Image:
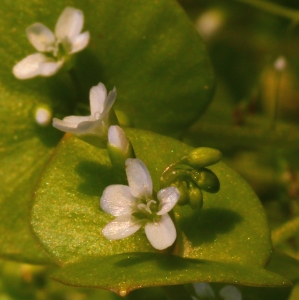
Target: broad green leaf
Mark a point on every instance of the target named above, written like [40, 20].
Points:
[24, 149]
[284, 265]
[231, 229]
[138, 50]
[147, 49]
[122, 273]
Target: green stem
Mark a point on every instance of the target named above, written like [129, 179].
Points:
[276, 100]
[273, 8]
[255, 134]
[176, 292]
[286, 231]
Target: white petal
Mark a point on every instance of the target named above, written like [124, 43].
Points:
[109, 102]
[118, 138]
[50, 68]
[168, 198]
[117, 200]
[31, 66]
[121, 227]
[69, 24]
[203, 290]
[77, 119]
[230, 292]
[97, 97]
[80, 42]
[139, 178]
[161, 234]
[41, 37]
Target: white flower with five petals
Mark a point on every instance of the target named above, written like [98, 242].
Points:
[134, 207]
[53, 48]
[95, 124]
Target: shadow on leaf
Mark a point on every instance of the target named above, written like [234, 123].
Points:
[208, 224]
[96, 177]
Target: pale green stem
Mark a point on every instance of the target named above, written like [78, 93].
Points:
[276, 100]
[273, 8]
[284, 136]
[176, 292]
[286, 231]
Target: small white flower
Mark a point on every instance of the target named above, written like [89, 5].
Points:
[95, 124]
[204, 291]
[53, 48]
[134, 206]
[118, 139]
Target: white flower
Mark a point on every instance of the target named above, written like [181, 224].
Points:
[95, 124]
[204, 291]
[118, 139]
[134, 206]
[53, 49]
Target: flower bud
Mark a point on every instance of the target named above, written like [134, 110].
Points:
[195, 197]
[203, 157]
[119, 148]
[184, 192]
[206, 180]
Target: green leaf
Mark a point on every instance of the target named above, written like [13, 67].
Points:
[284, 265]
[231, 231]
[122, 273]
[148, 50]
[24, 149]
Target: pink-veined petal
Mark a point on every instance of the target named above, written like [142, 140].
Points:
[80, 42]
[168, 198]
[161, 234]
[41, 37]
[117, 200]
[31, 66]
[69, 24]
[139, 178]
[121, 227]
[97, 97]
[230, 292]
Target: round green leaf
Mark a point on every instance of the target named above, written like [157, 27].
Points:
[122, 273]
[156, 62]
[230, 230]
[149, 50]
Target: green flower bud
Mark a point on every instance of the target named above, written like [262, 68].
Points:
[184, 192]
[206, 180]
[202, 157]
[195, 197]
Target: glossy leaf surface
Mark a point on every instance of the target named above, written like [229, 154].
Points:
[231, 229]
[147, 49]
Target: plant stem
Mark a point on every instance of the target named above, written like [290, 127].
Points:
[274, 9]
[286, 231]
[176, 292]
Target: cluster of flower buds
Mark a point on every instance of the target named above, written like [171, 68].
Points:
[191, 176]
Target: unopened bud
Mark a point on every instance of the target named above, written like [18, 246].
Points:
[203, 157]
[195, 197]
[206, 180]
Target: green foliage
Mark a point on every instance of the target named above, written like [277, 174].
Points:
[230, 233]
[151, 54]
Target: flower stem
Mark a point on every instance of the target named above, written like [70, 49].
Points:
[176, 292]
[274, 9]
[286, 231]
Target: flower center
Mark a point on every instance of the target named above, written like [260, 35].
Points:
[147, 209]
